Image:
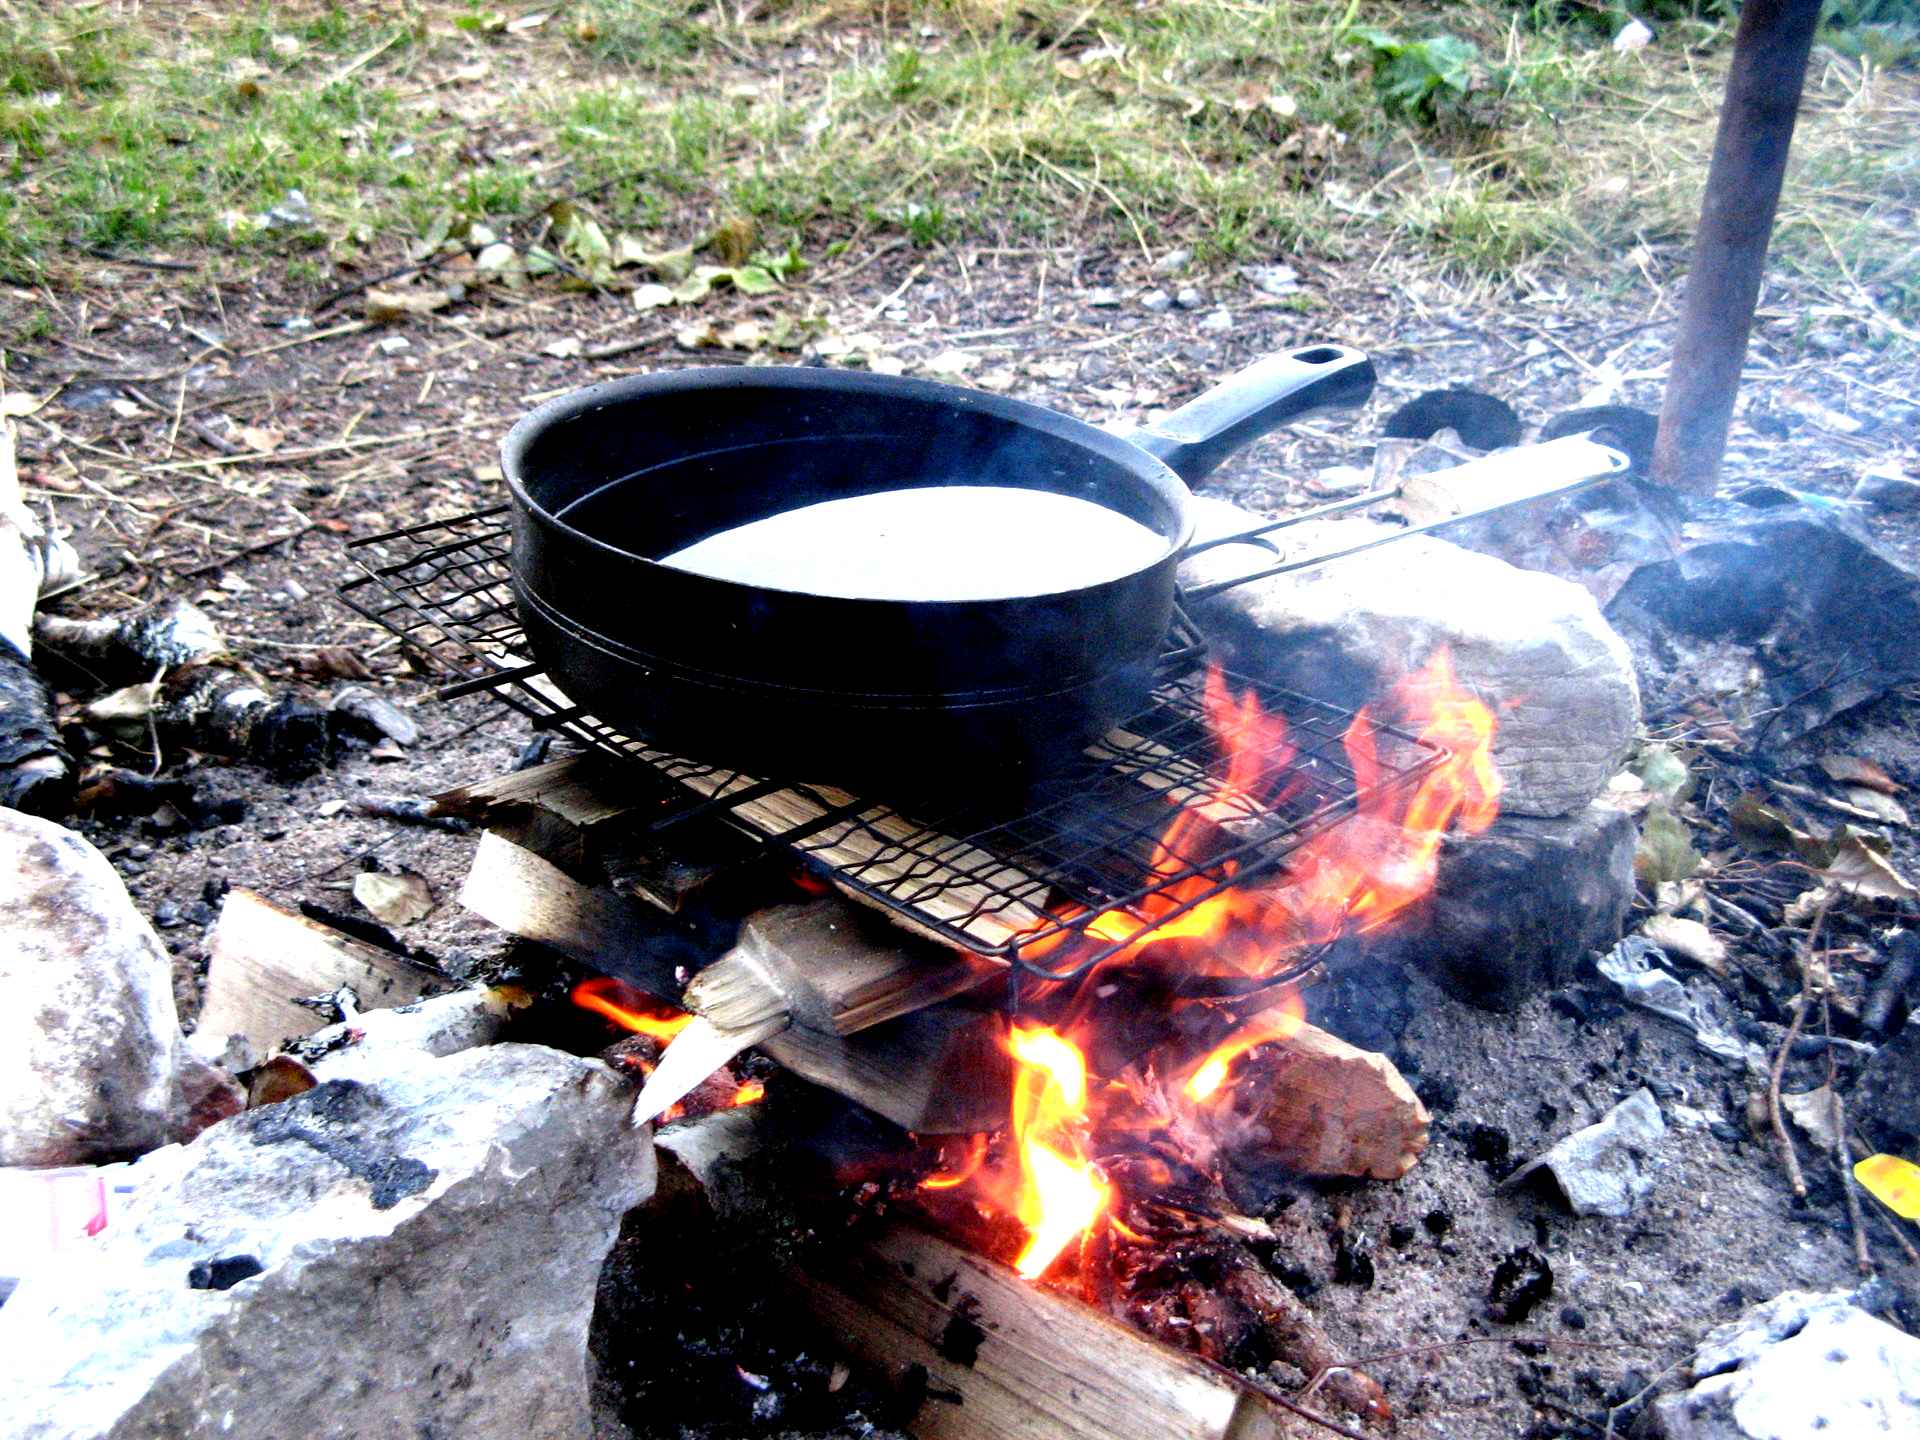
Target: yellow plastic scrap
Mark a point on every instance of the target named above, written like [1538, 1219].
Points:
[1894, 1182]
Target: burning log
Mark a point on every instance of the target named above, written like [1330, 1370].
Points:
[197, 695]
[1305, 1101]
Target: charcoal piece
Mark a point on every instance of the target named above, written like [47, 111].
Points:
[223, 1273]
[1632, 430]
[1479, 419]
[1886, 1102]
[1520, 1282]
[1489, 1145]
[1514, 910]
[1798, 597]
[36, 774]
[1352, 1261]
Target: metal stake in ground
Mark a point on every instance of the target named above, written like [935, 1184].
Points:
[1736, 219]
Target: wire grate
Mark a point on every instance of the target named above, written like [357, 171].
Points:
[1154, 821]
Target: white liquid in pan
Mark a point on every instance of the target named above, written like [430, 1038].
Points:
[949, 542]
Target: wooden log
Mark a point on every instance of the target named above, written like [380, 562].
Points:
[536, 900]
[262, 959]
[1314, 1105]
[1769, 66]
[1007, 1360]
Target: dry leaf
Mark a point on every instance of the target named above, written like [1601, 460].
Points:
[262, 439]
[1812, 1111]
[16, 404]
[393, 899]
[383, 307]
[1852, 770]
[1879, 805]
[566, 348]
[1688, 939]
[1860, 867]
[951, 362]
[123, 407]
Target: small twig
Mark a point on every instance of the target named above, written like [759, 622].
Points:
[1787, 1156]
[139, 262]
[350, 327]
[895, 293]
[1863, 1262]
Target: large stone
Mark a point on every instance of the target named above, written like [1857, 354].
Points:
[1515, 909]
[1803, 1364]
[1531, 645]
[89, 1038]
[412, 1256]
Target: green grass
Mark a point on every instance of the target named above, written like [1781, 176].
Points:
[1242, 128]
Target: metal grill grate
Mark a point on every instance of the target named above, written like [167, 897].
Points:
[1093, 864]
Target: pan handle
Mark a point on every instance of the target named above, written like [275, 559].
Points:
[1266, 395]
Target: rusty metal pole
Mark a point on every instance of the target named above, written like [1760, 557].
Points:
[1729, 253]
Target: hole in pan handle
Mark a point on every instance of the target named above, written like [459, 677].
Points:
[1269, 393]
[1572, 463]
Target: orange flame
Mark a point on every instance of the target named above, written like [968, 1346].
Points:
[630, 1008]
[1060, 1194]
[1284, 1020]
[1353, 876]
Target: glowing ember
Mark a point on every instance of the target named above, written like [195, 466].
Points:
[1060, 1194]
[630, 1008]
[1351, 877]
[952, 1179]
[751, 1092]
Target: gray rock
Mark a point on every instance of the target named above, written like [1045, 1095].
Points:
[1606, 1168]
[1803, 1364]
[373, 716]
[1515, 909]
[89, 1062]
[1216, 322]
[1156, 302]
[1888, 486]
[413, 1256]
[1533, 646]
[1189, 297]
[1271, 279]
[1103, 297]
[1174, 262]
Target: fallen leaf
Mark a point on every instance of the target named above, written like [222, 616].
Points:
[261, 439]
[393, 899]
[1894, 1182]
[383, 307]
[1664, 772]
[744, 335]
[1760, 826]
[1666, 849]
[1688, 939]
[16, 404]
[1876, 803]
[1860, 867]
[1852, 770]
[696, 337]
[651, 296]
[497, 259]
[1812, 1111]
[566, 348]
[123, 407]
[667, 264]
[481, 22]
[527, 22]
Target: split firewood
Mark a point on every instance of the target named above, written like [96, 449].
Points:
[821, 966]
[1310, 1103]
[263, 961]
[574, 814]
[900, 1067]
[36, 774]
[195, 693]
[1005, 1358]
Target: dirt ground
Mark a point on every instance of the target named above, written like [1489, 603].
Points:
[1629, 1296]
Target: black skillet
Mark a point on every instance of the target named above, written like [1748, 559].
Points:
[901, 697]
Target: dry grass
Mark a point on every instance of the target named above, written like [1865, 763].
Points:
[1243, 129]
